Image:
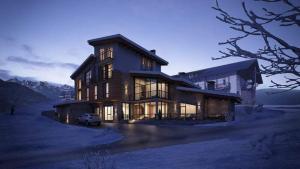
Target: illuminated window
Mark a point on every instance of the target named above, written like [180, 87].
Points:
[79, 89]
[79, 83]
[87, 94]
[163, 90]
[102, 54]
[107, 90]
[79, 95]
[147, 64]
[187, 110]
[110, 52]
[126, 89]
[88, 77]
[125, 109]
[96, 92]
[107, 71]
[106, 53]
[163, 109]
[199, 106]
[108, 113]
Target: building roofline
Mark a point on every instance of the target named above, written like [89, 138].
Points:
[250, 61]
[82, 66]
[128, 42]
[161, 75]
[210, 92]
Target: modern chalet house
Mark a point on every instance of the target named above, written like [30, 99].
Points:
[123, 81]
[240, 78]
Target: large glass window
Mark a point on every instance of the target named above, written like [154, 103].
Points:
[106, 53]
[150, 109]
[150, 88]
[163, 109]
[163, 89]
[147, 64]
[138, 111]
[187, 110]
[125, 109]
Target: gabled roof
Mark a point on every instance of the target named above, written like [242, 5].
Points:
[161, 75]
[120, 38]
[210, 92]
[228, 68]
[87, 61]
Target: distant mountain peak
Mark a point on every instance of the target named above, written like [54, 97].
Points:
[51, 90]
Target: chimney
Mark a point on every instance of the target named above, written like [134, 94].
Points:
[211, 85]
[153, 51]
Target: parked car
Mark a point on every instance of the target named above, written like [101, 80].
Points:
[89, 119]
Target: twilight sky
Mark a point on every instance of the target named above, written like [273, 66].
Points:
[47, 40]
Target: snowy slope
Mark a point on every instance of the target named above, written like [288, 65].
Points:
[28, 133]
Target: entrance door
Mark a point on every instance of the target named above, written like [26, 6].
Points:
[109, 113]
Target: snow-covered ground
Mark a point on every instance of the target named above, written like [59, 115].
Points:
[28, 133]
[273, 143]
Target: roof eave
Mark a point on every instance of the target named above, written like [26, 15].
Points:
[121, 38]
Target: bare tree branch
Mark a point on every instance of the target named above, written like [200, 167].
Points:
[281, 57]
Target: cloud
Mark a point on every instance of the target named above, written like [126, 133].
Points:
[29, 50]
[6, 75]
[17, 59]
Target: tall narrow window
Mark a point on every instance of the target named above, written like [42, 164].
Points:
[125, 109]
[126, 89]
[107, 90]
[88, 77]
[79, 83]
[79, 95]
[104, 72]
[87, 94]
[96, 92]
[109, 70]
[102, 54]
[79, 89]
[110, 52]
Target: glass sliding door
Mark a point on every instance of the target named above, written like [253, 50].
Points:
[163, 109]
[109, 113]
[150, 110]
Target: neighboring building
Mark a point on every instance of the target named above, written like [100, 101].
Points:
[123, 81]
[240, 78]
